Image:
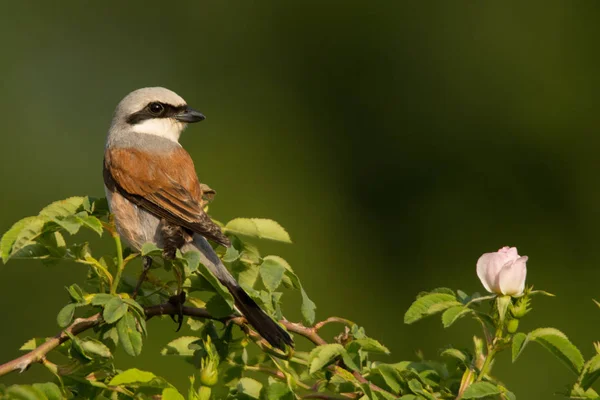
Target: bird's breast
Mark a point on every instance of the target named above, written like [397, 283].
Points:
[136, 225]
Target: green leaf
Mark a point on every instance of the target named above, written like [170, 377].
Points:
[591, 372]
[218, 307]
[76, 293]
[171, 394]
[192, 260]
[92, 223]
[65, 315]
[50, 390]
[307, 308]
[216, 284]
[371, 345]
[93, 346]
[271, 272]
[249, 387]
[135, 377]
[150, 249]
[452, 314]
[479, 390]
[21, 235]
[9, 238]
[554, 341]
[129, 337]
[258, 227]
[429, 304]
[63, 208]
[76, 350]
[277, 390]
[100, 299]
[391, 376]
[32, 344]
[558, 344]
[114, 310]
[518, 344]
[24, 392]
[457, 354]
[180, 347]
[322, 355]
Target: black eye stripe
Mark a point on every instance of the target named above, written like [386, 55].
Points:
[145, 113]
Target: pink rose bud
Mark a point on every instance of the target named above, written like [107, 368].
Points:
[503, 272]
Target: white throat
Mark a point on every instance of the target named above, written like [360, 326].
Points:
[167, 128]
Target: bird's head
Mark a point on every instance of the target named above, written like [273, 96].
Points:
[155, 111]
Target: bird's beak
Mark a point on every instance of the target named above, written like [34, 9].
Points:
[189, 115]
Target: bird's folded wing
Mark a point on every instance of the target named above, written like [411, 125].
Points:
[164, 184]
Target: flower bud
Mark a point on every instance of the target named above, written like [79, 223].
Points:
[503, 272]
[512, 326]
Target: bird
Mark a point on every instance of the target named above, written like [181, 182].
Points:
[155, 196]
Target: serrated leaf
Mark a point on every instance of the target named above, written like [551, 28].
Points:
[21, 235]
[371, 345]
[9, 238]
[591, 372]
[277, 390]
[65, 315]
[554, 341]
[50, 390]
[258, 227]
[457, 354]
[271, 272]
[558, 344]
[180, 347]
[192, 261]
[135, 377]
[171, 394]
[519, 341]
[32, 344]
[391, 376]
[114, 310]
[322, 355]
[91, 222]
[24, 392]
[76, 293]
[93, 346]
[452, 314]
[76, 349]
[63, 208]
[307, 308]
[480, 390]
[129, 337]
[250, 387]
[429, 304]
[100, 299]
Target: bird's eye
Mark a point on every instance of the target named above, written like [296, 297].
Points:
[156, 108]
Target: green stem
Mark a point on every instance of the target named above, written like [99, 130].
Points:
[120, 265]
[488, 362]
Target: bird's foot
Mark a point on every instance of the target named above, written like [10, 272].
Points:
[178, 300]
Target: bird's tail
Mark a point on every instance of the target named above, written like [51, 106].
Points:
[264, 325]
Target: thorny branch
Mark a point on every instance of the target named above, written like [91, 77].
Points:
[82, 324]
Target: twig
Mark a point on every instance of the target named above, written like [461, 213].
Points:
[39, 353]
[80, 325]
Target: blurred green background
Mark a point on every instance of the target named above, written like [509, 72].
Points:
[396, 141]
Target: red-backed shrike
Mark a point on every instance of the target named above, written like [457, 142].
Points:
[155, 196]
